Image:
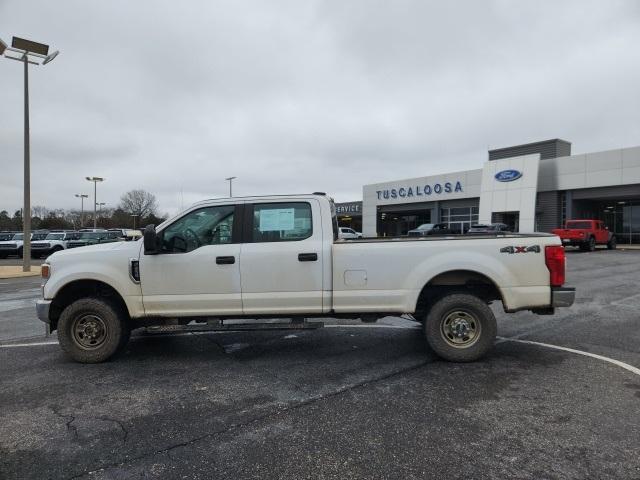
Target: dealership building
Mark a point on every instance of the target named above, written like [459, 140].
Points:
[532, 187]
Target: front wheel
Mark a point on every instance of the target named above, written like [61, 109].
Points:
[460, 328]
[92, 330]
[612, 243]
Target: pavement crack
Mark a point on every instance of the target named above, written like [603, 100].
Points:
[68, 419]
[125, 432]
[272, 414]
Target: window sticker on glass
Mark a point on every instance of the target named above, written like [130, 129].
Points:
[277, 219]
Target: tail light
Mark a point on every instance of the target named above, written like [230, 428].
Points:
[555, 260]
[45, 271]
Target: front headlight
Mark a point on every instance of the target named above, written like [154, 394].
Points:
[45, 271]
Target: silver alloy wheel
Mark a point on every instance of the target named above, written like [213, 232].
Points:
[460, 328]
[89, 332]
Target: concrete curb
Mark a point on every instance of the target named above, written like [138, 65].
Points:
[7, 272]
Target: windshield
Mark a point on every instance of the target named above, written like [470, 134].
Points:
[425, 226]
[18, 236]
[579, 225]
[92, 235]
[55, 236]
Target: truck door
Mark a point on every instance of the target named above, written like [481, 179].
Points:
[197, 270]
[602, 234]
[282, 257]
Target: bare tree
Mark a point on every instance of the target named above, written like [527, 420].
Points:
[39, 211]
[139, 202]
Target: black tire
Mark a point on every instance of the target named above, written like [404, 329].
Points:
[20, 253]
[92, 330]
[591, 245]
[440, 324]
[612, 243]
[3, 256]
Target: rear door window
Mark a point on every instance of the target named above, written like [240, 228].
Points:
[281, 222]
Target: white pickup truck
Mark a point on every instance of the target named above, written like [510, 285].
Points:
[280, 256]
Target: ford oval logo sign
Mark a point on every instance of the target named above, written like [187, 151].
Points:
[508, 175]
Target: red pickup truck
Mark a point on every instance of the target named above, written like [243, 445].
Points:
[586, 234]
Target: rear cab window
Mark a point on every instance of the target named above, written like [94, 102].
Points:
[579, 225]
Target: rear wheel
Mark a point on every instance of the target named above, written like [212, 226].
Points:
[612, 243]
[92, 330]
[460, 327]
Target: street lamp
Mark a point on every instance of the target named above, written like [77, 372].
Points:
[230, 180]
[82, 196]
[33, 53]
[95, 181]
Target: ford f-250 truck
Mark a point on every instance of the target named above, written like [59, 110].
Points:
[280, 256]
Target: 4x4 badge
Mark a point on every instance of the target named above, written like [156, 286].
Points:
[521, 249]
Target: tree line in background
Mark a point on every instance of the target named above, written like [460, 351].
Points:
[136, 208]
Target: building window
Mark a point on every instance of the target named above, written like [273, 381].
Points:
[459, 219]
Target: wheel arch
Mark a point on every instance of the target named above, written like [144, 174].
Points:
[461, 281]
[83, 288]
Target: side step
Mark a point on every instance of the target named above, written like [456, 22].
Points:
[236, 326]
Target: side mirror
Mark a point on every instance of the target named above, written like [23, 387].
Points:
[150, 240]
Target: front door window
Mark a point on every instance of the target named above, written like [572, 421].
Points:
[205, 226]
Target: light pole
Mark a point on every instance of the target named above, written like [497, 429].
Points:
[33, 53]
[82, 196]
[230, 180]
[134, 220]
[100, 209]
[95, 181]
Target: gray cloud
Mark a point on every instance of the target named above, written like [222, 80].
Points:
[304, 96]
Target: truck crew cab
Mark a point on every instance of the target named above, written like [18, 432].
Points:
[280, 256]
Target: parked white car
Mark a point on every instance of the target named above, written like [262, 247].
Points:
[53, 242]
[344, 232]
[261, 257]
[12, 246]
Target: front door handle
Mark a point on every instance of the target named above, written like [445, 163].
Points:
[226, 260]
[307, 257]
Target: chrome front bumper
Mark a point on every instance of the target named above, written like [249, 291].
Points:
[42, 310]
[562, 296]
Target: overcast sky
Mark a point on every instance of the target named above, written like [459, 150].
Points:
[302, 96]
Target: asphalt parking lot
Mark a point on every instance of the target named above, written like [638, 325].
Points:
[345, 401]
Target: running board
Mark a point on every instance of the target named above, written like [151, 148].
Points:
[220, 326]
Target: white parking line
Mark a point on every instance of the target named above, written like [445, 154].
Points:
[34, 344]
[613, 361]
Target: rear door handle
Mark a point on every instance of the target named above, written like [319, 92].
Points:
[225, 260]
[307, 257]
